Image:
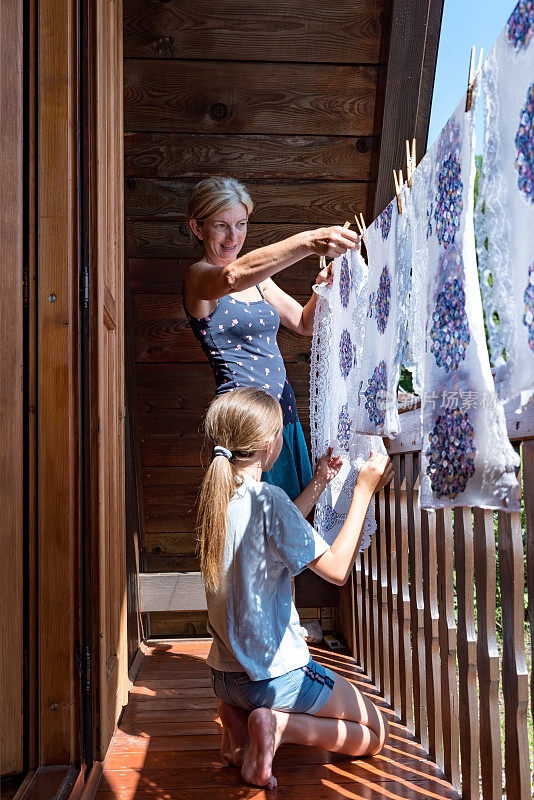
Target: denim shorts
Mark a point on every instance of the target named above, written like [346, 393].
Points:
[302, 691]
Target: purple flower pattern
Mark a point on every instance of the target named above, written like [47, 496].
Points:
[451, 454]
[450, 327]
[520, 25]
[524, 141]
[346, 353]
[528, 316]
[449, 199]
[344, 425]
[345, 282]
[383, 221]
[329, 518]
[375, 394]
[383, 296]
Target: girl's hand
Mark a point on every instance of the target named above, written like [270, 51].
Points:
[326, 275]
[333, 241]
[375, 473]
[327, 467]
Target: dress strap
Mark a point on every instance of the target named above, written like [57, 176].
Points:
[260, 291]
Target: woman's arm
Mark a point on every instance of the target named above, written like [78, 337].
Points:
[204, 281]
[336, 563]
[292, 315]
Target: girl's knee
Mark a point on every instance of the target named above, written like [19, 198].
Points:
[382, 731]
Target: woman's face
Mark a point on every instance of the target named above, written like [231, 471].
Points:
[223, 234]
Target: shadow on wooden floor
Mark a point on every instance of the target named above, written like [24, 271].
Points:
[166, 746]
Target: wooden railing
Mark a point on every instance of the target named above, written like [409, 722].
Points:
[427, 628]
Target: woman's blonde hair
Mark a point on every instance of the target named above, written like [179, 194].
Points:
[213, 195]
[243, 421]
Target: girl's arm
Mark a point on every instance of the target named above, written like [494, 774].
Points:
[204, 281]
[327, 468]
[336, 563]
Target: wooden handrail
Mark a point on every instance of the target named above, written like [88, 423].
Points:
[427, 629]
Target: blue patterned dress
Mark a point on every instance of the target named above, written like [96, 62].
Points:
[239, 340]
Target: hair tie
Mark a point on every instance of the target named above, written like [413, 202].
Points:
[222, 451]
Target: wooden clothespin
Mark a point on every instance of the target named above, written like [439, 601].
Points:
[347, 224]
[361, 227]
[399, 183]
[410, 161]
[472, 75]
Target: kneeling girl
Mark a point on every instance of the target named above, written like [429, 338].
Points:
[252, 540]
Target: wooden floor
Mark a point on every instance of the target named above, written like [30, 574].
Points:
[166, 746]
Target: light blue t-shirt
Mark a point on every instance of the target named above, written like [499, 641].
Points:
[252, 617]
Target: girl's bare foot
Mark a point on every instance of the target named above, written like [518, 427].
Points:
[265, 735]
[235, 739]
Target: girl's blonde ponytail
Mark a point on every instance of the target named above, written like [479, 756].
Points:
[242, 421]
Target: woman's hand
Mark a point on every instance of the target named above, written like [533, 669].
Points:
[375, 473]
[334, 241]
[326, 275]
[327, 467]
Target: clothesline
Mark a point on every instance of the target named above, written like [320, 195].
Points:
[417, 301]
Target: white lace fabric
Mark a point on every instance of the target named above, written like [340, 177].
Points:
[384, 331]
[336, 349]
[504, 214]
[466, 456]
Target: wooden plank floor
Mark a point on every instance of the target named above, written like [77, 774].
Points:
[166, 745]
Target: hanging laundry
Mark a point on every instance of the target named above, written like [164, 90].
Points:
[336, 350]
[384, 335]
[505, 207]
[466, 457]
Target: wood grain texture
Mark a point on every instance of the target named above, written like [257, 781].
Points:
[410, 75]
[271, 98]
[58, 422]
[487, 655]
[514, 668]
[170, 740]
[447, 645]
[416, 600]
[385, 623]
[12, 589]
[431, 623]
[467, 651]
[277, 157]
[403, 595]
[313, 203]
[250, 32]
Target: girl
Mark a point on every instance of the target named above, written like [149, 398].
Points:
[252, 539]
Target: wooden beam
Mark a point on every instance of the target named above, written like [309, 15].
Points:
[409, 82]
[11, 391]
[171, 591]
[58, 369]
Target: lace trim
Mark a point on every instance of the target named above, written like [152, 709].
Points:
[492, 227]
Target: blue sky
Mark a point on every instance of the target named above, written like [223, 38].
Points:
[465, 23]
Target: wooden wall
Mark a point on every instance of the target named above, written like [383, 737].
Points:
[259, 92]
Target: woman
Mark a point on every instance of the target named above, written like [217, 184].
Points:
[234, 307]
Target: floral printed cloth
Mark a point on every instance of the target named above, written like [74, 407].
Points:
[505, 208]
[336, 353]
[466, 456]
[385, 325]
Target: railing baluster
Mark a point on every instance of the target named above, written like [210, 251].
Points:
[392, 592]
[416, 602]
[487, 656]
[514, 667]
[447, 645]
[365, 614]
[431, 618]
[385, 686]
[467, 658]
[528, 498]
[371, 613]
[375, 571]
[358, 599]
[403, 598]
